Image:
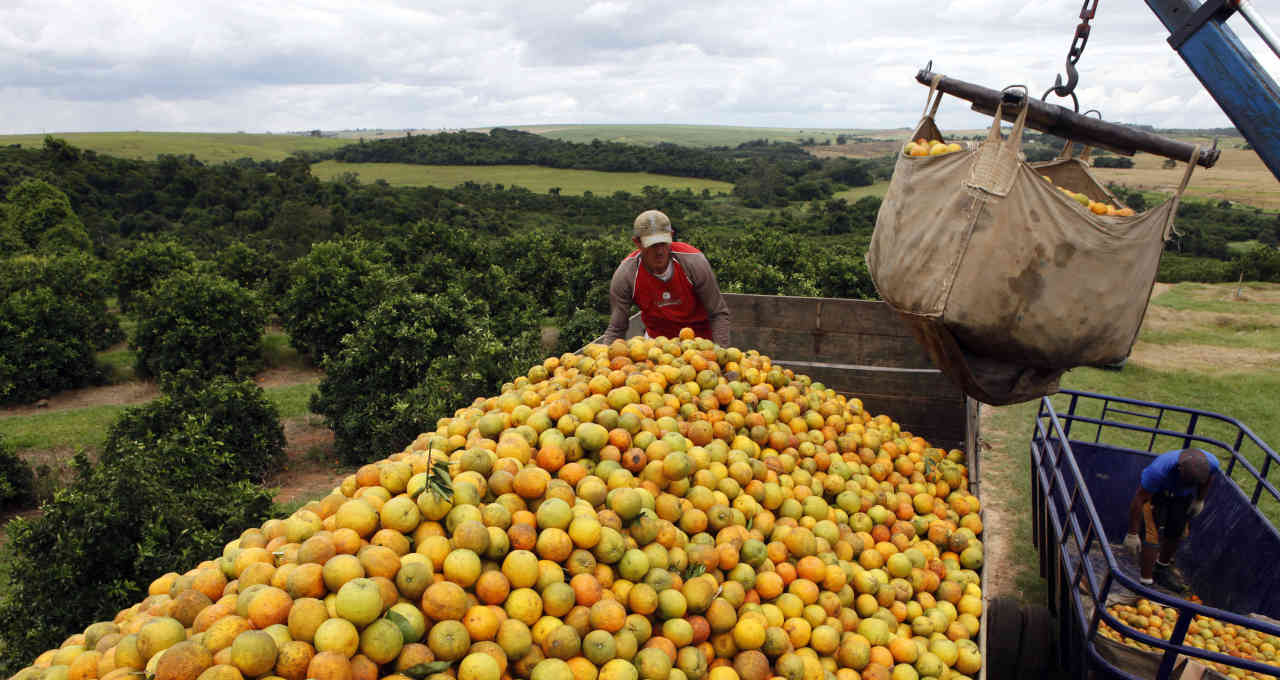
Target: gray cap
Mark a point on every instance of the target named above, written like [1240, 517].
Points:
[652, 226]
[1193, 466]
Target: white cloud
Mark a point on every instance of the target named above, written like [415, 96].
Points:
[236, 65]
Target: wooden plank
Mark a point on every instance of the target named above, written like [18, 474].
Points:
[917, 383]
[831, 315]
[802, 345]
[938, 426]
[971, 443]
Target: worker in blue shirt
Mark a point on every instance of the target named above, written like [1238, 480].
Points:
[1171, 492]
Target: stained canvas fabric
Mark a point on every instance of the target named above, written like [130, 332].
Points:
[1006, 280]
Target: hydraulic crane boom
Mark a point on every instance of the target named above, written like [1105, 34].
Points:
[1227, 69]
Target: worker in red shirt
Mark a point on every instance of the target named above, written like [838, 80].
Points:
[672, 284]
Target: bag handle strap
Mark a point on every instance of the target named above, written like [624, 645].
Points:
[996, 162]
[1186, 176]
[933, 89]
[1066, 151]
[1085, 148]
[1177, 195]
[1019, 123]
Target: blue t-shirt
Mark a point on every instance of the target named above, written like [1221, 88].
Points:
[1162, 475]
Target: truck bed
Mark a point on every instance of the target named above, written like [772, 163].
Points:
[1087, 455]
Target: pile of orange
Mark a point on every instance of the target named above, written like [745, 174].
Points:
[1095, 207]
[930, 147]
[1205, 632]
[657, 509]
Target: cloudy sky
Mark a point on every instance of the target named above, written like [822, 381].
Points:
[337, 64]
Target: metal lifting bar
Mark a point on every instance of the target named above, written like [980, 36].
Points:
[1259, 24]
[1065, 123]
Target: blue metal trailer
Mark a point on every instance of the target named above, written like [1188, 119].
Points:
[1087, 453]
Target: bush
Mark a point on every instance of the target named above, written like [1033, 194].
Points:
[248, 267]
[42, 218]
[1259, 263]
[74, 277]
[1175, 268]
[480, 363]
[237, 414]
[17, 482]
[43, 345]
[114, 529]
[376, 395]
[137, 269]
[1112, 162]
[333, 287]
[582, 327]
[200, 322]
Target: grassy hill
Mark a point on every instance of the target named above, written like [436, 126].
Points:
[534, 178]
[699, 135]
[1239, 175]
[209, 147]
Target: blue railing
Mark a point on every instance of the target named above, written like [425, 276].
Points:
[1068, 527]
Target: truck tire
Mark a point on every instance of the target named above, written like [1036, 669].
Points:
[1036, 655]
[1019, 640]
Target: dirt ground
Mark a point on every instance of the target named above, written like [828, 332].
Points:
[309, 470]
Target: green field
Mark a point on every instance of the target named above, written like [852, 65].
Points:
[206, 146]
[1242, 247]
[86, 428]
[214, 147]
[852, 195]
[699, 135]
[532, 177]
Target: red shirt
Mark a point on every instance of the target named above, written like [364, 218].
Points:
[667, 306]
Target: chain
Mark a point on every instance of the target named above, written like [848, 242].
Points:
[1082, 31]
[1081, 38]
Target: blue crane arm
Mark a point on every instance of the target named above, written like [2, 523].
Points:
[1227, 69]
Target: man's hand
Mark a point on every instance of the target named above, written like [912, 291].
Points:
[1132, 542]
[1197, 506]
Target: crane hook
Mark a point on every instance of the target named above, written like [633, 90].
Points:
[1073, 55]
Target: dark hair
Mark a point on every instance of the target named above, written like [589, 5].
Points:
[1193, 466]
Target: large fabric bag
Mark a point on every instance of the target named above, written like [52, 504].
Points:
[1006, 280]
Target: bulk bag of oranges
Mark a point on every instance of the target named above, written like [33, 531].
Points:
[1006, 279]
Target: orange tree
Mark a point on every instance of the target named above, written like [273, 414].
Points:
[169, 489]
[412, 359]
[201, 322]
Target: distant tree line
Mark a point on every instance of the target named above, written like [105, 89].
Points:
[502, 146]
[764, 172]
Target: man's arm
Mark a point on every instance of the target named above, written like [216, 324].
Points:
[1135, 509]
[1197, 504]
[708, 290]
[621, 293]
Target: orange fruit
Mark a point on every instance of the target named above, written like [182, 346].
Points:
[254, 653]
[185, 660]
[444, 600]
[329, 666]
[293, 660]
